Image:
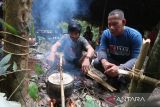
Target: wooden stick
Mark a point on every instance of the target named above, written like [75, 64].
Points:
[99, 80]
[61, 81]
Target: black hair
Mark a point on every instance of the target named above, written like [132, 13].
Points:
[74, 26]
[117, 11]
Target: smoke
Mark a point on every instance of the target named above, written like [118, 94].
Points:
[47, 13]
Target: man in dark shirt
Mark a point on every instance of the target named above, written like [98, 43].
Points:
[88, 34]
[72, 45]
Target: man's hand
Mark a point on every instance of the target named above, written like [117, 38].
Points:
[110, 69]
[51, 57]
[106, 65]
[85, 65]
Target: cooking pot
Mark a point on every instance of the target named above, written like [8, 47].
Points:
[54, 87]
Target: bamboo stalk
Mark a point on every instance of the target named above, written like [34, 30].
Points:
[138, 66]
[99, 80]
[152, 69]
[139, 63]
[142, 78]
[145, 79]
[61, 81]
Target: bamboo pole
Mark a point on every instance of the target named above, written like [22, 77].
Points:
[138, 66]
[139, 63]
[145, 79]
[152, 68]
[61, 81]
[142, 78]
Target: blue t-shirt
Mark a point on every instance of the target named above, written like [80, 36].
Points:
[121, 48]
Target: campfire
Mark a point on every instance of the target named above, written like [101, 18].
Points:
[79, 89]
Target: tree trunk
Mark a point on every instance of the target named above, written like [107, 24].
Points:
[17, 14]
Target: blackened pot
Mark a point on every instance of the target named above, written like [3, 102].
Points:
[54, 88]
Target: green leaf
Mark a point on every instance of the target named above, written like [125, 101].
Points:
[32, 30]
[10, 28]
[38, 69]
[1, 51]
[33, 90]
[5, 60]
[14, 66]
[90, 102]
[4, 69]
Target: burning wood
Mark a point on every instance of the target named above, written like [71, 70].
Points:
[71, 103]
[52, 103]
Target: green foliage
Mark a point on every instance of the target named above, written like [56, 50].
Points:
[32, 29]
[1, 51]
[84, 24]
[63, 26]
[10, 28]
[95, 30]
[33, 86]
[33, 90]
[5, 60]
[90, 102]
[14, 66]
[4, 68]
[4, 64]
[38, 69]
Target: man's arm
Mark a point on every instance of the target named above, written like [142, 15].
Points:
[88, 56]
[88, 47]
[102, 55]
[128, 65]
[136, 47]
[53, 51]
[90, 51]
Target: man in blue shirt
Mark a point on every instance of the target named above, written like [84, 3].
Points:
[119, 46]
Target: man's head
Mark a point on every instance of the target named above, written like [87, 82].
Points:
[116, 22]
[74, 29]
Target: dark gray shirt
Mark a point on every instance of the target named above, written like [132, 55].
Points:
[73, 49]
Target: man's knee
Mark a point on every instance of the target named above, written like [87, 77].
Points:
[97, 64]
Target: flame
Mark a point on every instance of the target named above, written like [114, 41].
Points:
[71, 103]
